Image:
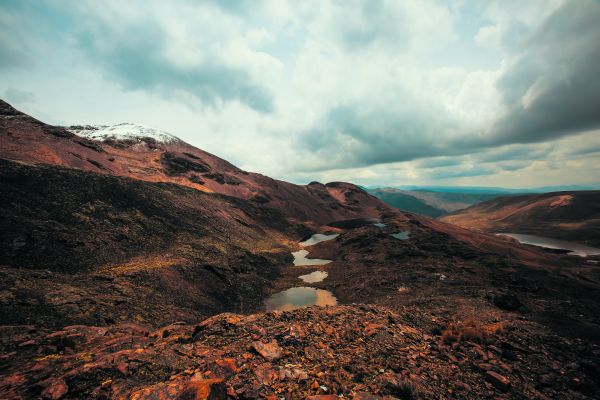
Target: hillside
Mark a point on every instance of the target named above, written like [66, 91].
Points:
[573, 216]
[140, 153]
[124, 278]
[432, 203]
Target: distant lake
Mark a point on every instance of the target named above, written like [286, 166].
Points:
[299, 297]
[574, 248]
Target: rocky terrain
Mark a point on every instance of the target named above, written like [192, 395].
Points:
[121, 284]
[571, 215]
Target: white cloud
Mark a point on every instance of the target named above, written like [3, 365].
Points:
[355, 90]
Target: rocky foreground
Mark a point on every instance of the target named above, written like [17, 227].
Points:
[358, 351]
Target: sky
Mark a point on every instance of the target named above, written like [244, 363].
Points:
[420, 92]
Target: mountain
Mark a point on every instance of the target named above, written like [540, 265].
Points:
[141, 153]
[432, 203]
[573, 215]
[406, 201]
[136, 266]
[493, 189]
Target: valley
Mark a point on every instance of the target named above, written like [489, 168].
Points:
[139, 267]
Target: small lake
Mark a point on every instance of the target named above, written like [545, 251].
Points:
[402, 235]
[318, 238]
[301, 260]
[574, 248]
[298, 297]
[314, 277]
[379, 225]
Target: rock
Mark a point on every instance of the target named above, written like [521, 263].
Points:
[323, 397]
[269, 351]
[56, 389]
[499, 381]
[266, 374]
[505, 301]
[209, 389]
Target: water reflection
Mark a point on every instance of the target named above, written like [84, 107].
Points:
[299, 297]
[314, 277]
[402, 235]
[575, 248]
[300, 259]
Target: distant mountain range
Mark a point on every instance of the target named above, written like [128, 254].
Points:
[430, 203]
[436, 201]
[486, 189]
[570, 215]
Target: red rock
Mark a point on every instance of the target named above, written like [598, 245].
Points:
[501, 382]
[210, 389]
[270, 351]
[371, 329]
[323, 397]
[266, 374]
[56, 389]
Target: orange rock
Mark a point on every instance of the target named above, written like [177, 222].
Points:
[228, 363]
[501, 382]
[56, 389]
[266, 374]
[270, 351]
[210, 389]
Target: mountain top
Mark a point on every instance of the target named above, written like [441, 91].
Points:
[122, 131]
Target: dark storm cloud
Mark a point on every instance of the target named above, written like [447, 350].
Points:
[552, 86]
[358, 134]
[139, 62]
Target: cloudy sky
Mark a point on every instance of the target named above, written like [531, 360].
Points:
[490, 93]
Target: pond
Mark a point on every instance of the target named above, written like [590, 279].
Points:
[314, 277]
[298, 297]
[575, 249]
[301, 260]
[402, 235]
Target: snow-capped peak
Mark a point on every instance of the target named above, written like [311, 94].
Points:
[122, 131]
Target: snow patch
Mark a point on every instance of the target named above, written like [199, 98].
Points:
[122, 131]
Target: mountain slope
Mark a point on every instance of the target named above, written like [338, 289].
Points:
[132, 151]
[107, 276]
[571, 216]
[432, 203]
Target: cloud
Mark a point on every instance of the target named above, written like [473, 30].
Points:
[440, 162]
[371, 90]
[517, 152]
[550, 87]
[168, 54]
[17, 96]
[463, 173]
